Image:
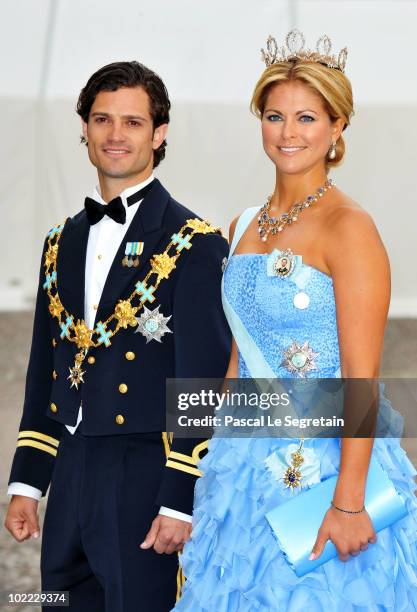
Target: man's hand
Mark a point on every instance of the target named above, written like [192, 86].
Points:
[167, 535]
[22, 518]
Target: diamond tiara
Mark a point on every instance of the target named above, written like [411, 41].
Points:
[294, 49]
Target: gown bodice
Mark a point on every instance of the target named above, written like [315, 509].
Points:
[278, 311]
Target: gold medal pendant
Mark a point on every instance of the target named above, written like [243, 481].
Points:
[292, 475]
[76, 373]
[132, 252]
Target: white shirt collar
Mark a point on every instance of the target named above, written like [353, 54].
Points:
[125, 194]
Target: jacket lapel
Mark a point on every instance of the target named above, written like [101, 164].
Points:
[71, 264]
[147, 227]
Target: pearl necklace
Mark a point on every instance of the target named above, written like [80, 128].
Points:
[273, 225]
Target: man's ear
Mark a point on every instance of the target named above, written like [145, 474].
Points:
[159, 135]
[84, 127]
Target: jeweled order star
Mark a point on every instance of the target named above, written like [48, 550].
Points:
[152, 324]
[292, 477]
[76, 376]
[299, 359]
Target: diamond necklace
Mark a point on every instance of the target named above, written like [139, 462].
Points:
[273, 225]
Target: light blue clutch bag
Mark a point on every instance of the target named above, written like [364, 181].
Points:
[296, 522]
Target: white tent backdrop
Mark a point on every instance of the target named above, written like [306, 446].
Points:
[208, 55]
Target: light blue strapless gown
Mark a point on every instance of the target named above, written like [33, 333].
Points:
[233, 562]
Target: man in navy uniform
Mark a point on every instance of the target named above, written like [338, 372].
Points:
[129, 295]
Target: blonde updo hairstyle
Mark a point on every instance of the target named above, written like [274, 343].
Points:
[330, 84]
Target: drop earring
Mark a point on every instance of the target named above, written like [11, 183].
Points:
[332, 150]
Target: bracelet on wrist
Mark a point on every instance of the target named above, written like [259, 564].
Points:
[347, 511]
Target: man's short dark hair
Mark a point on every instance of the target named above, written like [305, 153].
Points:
[128, 74]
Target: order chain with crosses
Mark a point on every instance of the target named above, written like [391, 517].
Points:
[162, 265]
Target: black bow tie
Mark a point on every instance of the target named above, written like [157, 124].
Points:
[96, 211]
[115, 208]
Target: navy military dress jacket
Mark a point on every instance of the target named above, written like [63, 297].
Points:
[124, 384]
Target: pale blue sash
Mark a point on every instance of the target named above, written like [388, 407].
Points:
[255, 361]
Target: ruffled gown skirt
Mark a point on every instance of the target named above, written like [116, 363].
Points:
[233, 563]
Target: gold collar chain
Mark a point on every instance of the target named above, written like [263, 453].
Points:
[162, 265]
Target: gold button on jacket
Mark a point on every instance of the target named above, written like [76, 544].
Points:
[54, 408]
[91, 360]
[130, 355]
[120, 419]
[123, 388]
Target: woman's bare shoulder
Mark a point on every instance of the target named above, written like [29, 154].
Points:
[345, 215]
[350, 230]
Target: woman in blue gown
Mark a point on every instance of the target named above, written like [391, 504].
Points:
[304, 299]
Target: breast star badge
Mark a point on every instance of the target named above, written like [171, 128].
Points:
[299, 359]
[152, 324]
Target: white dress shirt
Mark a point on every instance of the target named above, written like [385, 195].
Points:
[104, 240]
